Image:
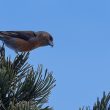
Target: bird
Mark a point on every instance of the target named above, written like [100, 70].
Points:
[25, 41]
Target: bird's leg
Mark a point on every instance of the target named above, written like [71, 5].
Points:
[16, 52]
[27, 52]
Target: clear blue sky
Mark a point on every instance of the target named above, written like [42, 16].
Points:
[80, 59]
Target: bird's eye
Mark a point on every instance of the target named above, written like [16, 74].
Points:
[51, 38]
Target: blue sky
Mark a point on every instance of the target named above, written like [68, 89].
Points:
[80, 59]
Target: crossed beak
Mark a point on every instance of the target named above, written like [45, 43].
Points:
[51, 44]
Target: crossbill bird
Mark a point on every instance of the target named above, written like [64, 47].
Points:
[25, 41]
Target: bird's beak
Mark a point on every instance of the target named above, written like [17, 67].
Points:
[51, 43]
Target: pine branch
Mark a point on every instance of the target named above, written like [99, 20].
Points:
[26, 105]
[20, 83]
[103, 104]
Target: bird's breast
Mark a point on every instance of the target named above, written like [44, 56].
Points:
[19, 45]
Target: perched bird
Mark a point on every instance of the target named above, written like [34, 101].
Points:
[24, 41]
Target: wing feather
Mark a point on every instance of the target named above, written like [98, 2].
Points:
[25, 35]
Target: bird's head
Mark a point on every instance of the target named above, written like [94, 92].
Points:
[45, 38]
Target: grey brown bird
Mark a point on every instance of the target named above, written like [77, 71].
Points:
[24, 41]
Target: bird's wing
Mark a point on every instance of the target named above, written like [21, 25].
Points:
[25, 35]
